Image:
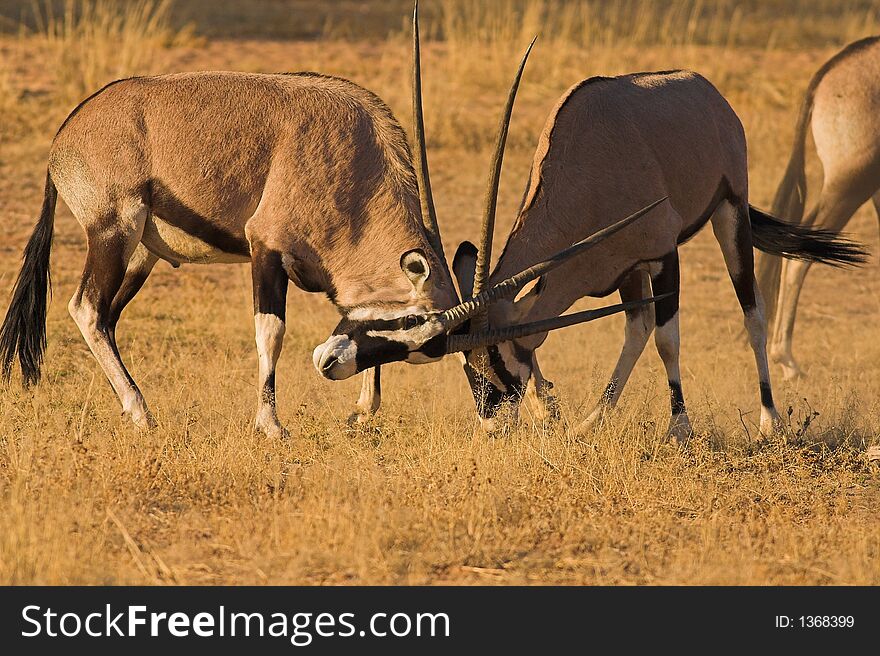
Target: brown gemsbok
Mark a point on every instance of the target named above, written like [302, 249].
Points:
[842, 109]
[307, 177]
[610, 146]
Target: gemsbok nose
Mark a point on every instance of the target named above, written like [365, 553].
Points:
[336, 359]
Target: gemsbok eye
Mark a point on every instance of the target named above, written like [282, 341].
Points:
[410, 321]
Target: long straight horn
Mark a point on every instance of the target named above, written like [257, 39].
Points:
[510, 287]
[487, 231]
[426, 198]
[456, 343]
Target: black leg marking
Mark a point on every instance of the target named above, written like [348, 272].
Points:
[270, 282]
[677, 397]
[766, 395]
[608, 393]
[664, 282]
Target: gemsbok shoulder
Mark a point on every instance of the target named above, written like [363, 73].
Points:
[841, 108]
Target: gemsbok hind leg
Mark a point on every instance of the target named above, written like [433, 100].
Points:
[732, 229]
[139, 268]
[112, 239]
[639, 325]
[270, 306]
[666, 279]
[832, 212]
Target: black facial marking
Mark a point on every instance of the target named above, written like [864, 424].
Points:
[376, 351]
[353, 328]
[677, 397]
[766, 395]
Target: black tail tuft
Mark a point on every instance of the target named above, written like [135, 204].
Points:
[23, 334]
[799, 242]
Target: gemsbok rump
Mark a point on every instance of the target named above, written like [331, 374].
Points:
[842, 109]
[612, 145]
[307, 177]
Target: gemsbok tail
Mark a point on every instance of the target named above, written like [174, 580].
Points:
[800, 242]
[23, 334]
[789, 201]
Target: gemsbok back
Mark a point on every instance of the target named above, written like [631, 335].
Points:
[307, 177]
[842, 109]
[610, 146]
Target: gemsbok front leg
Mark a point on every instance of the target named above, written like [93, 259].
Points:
[370, 399]
[639, 325]
[112, 239]
[666, 279]
[270, 303]
[732, 229]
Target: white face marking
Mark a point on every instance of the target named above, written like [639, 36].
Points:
[341, 349]
[374, 313]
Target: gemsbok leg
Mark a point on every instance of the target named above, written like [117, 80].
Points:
[539, 395]
[836, 206]
[370, 399]
[112, 240]
[639, 326]
[139, 267]
[270, 304]
[732, 229]
[666, 279]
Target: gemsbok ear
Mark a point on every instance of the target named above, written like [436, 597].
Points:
[415, 267]
[464, 266]
[525, 300]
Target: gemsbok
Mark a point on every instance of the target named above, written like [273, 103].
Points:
[307, 177]
[612, 145]
[842, 109]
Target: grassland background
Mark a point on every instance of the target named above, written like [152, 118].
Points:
[421, 495]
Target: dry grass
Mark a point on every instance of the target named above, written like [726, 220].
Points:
[93, 42]
[422, 496]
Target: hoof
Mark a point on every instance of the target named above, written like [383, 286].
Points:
[680, 430]
[790, 369]
[593, 422]
[273, 431]
[142, 418]
[771, 424]
[359, 418]
[792, 372]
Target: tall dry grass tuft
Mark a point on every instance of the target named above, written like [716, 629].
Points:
[93, 42]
